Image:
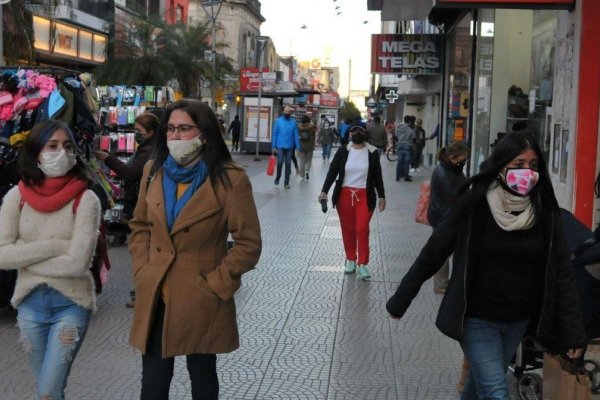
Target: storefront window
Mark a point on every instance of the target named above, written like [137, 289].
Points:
[459, 76]
[542, 77]
[485, 63]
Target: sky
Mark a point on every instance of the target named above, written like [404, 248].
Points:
[340, 37]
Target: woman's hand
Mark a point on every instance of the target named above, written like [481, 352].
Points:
[322, 196]
[574, 353]
[101, 155]
[381, 204]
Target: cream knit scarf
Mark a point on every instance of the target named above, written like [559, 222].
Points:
[503, 203]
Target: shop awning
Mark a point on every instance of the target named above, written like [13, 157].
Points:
[416, 10]
[270, 94]
[401, 10]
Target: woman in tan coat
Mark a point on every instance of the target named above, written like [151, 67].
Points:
[190, 200]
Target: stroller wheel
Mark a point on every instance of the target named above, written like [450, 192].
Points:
[592, 367]
[529, 386]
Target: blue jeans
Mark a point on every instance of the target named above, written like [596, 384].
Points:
[52, 330]
[327, 151]
[404, 159]
[284, 155]
[489, 346]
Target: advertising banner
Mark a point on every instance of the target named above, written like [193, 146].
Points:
[251, 125]
[329, 100]
[406, 54]
[249, 79]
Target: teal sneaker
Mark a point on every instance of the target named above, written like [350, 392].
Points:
[349, 267]
[362, 272]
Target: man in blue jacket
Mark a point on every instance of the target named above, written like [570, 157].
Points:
[285, 140]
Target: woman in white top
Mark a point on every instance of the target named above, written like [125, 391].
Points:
[359, 184]
[48, 232]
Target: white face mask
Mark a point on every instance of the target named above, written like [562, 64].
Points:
[184, 151]
[56, 163]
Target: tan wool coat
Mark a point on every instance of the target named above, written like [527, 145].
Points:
[193, 263]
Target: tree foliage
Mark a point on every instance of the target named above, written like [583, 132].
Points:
[349, 111]
[152, 53]
[18, 27]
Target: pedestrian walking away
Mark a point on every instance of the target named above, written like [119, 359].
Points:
[404, 146]
[376, 135]
[446, 179]
[343, 131]
[512, 270]
[285, 141]
[193, 196]
[326, 137]
[234, 129]
[419, 145]
[359, 183]
[54, 294]
[307, 145]
[146, 126]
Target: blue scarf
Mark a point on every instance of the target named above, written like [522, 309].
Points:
[174, 174]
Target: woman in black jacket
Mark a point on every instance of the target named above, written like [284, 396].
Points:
[358, 172]
[511, 268]
[146, 126]
[446, 179]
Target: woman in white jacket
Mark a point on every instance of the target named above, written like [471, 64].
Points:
[48, 232]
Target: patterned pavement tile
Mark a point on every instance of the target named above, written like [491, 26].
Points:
[307, 330]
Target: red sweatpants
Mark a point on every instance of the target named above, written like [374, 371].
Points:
[354, 220]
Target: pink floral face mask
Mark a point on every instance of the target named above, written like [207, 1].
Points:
[520, 180]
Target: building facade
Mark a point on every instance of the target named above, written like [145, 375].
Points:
[520, 66]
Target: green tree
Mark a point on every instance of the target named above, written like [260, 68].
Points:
[135, 56]
[185, 46]
[148, 52]
[349, 111]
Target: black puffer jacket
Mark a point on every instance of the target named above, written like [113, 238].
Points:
[558, 325]
[444, 187]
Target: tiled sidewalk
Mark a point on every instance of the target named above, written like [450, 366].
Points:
[307, 330]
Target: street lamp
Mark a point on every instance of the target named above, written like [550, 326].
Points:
[261, 41]
[212, 15]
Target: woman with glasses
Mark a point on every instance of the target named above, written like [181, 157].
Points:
[356, 171]
[512, 270]
[191, 198]
[48, 232]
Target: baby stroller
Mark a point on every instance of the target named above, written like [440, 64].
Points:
[585, 259]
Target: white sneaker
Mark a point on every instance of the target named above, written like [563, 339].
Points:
[419, 170]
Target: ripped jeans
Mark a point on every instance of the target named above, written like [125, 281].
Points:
[52, 330]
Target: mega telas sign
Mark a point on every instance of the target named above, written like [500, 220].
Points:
[406, 54]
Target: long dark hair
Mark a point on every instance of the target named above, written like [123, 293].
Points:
[508, 148]
[214, 152]
[28, 169]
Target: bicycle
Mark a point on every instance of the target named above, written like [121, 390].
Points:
[390, 152]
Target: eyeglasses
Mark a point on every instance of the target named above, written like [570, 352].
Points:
[183, 129]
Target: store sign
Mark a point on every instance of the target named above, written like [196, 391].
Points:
[249, 79]
[406, 54]
[58, 38]
[536, 4]
[329, 100]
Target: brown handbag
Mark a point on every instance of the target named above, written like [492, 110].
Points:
[564, 380]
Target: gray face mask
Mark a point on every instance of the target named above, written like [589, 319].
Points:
[56, 163]
[185, 151]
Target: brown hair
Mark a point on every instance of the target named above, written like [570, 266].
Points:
[149, 121]
[453, 149]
